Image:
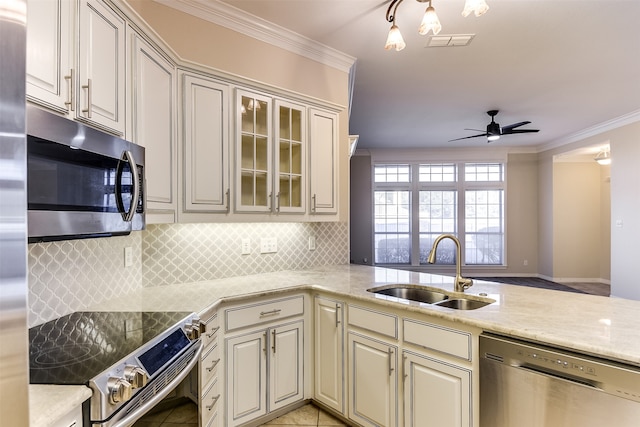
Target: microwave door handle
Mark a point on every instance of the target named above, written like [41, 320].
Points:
[128, 216]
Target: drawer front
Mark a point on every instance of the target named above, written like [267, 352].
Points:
[264, 312]
[209, 364]
[439, 338]
[210, 330]
[375, 321]
[209, 412]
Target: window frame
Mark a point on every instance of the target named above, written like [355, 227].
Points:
[460, 186]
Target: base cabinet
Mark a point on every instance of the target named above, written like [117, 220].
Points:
[373, 378]
[329, 353]
[435, 393]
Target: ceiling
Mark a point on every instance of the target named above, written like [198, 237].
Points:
[565, 65]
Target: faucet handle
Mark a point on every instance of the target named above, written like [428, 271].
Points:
[463, 284]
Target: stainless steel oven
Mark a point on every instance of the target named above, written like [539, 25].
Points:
[531, 385]
[130, 360]
[81, 182]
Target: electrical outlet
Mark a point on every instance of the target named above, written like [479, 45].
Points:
[246, 246]
[312, 243]
[268, 245]
[128, 256]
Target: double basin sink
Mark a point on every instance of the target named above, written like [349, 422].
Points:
[435, 296]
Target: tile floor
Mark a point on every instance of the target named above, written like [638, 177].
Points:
[186, 415]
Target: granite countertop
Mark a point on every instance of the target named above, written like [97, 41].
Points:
[49, 403]
[603, 326]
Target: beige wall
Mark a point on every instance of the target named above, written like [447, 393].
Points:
[545, 217]
[577, 221]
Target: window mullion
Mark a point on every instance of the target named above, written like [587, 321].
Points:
[414, 232]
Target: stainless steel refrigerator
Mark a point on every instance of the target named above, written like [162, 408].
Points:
[14, 361]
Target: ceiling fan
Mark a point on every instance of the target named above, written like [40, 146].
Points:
[495, 131]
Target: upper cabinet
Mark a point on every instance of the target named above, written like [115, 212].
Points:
[91, 90]
[290, 156]
[50, 67]
[253, 152]
[101, 67]
[323, 131]
[153, 123]
[204, 130]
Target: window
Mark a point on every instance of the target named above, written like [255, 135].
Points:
[415, 203]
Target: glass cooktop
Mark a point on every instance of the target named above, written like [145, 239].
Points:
[77, 347]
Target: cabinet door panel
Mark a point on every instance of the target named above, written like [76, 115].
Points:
[436, 393]
[286, 366]
[329, 353]
[50, 53]
[323, 176]
[373, 388]
[153, 116]
[246, 377]
[102, 67]
[206, 151]
[290, 152]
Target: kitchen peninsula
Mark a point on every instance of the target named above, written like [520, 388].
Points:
[608, 328]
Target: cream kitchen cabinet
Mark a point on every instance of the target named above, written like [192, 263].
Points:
[265, 365]
[152, 123]
[204, 130]
[208, 382]
[373, 381]
[50, 52]
[254, 168]
[436, 393]
[329, 357]
[101, 68]
[290, 157]
[323, 173]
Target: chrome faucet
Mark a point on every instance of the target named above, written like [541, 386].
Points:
[461, 283]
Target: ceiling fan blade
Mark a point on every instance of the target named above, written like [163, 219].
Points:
[515, 125]
[511, 131]
[467, 137]
[477, 130]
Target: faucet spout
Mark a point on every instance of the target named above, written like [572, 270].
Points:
[460, 283]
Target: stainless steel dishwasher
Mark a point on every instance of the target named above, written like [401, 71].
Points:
[530, 385]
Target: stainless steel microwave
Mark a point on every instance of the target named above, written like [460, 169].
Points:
[81, 182]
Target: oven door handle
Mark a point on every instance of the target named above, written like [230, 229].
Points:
[148, 405]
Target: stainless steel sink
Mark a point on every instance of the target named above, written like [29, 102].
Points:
[412, 293]
[463, 304]
[435, 296]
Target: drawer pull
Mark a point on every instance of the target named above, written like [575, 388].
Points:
[213, 365]
[213, 332]
[215, 399]
[273, 312]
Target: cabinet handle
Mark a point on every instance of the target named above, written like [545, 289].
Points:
[88, 88]
[264, 347]
[270, 313]
[228, 197]
[404, 368]
[337, 315]
[215, 399]
[278, 201]
[213, 365]
[70, 84]
[390, 352]
[313, 203]
[273, 347]
[213, 332]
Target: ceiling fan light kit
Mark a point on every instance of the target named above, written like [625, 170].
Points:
[495, 131]
[430, 21]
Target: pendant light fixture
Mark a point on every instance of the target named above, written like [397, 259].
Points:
[430, 21]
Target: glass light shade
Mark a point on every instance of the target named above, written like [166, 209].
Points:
[478, 7]
[394, 39]
[493, 137]
[603, 158]
[430, 21]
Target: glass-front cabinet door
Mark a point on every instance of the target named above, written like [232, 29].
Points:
[290, 152]
[253, 152]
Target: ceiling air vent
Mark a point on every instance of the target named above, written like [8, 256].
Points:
[449, 40]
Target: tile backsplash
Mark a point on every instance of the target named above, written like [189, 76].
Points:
[185, 253]
[71, 275]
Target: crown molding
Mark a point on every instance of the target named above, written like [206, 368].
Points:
[235, 19]
[624, 120]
